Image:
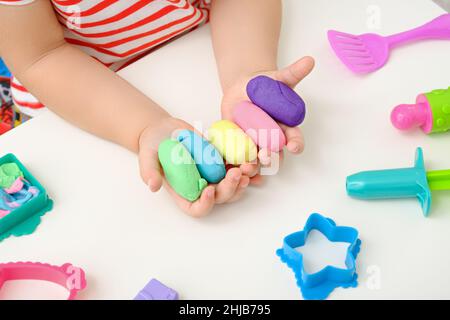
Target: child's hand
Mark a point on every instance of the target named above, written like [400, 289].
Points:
[228, 190]
[236, 93]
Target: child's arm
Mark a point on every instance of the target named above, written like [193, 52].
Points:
[245, 37]
[91, 96]
[70, 82]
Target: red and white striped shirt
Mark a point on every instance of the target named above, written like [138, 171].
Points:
[118, 32]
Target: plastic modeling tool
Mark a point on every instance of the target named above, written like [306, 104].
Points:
[319, 285]
[412, 182]
[431, 113]
[369, 52]
[155, 290]
[67, 276]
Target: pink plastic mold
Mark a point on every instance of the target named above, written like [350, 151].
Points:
[70, 277]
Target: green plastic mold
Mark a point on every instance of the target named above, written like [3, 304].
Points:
[25, 219]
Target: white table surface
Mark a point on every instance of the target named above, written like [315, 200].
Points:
[106, 221]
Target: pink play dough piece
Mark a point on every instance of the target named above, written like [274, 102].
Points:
[259, 126]
[4, 213]
[15, 187]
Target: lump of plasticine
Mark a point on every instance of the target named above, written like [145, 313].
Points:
[180, 170]
[259, 126]
[9, 173]
[207, 158]
[281, 102]
[234, 145]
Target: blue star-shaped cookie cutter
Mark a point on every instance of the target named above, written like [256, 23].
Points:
[318, 286]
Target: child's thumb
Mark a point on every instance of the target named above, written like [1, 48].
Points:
[296, 72]
[150, 169]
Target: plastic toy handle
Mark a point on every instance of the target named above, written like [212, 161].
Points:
[439, 180]
[439, 28]
[408, 116]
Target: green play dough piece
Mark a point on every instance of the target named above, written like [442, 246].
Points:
[9, 172]
[180, 170]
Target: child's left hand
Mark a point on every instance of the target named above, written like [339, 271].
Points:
[237, 92]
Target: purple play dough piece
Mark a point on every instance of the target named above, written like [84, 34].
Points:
[281, 102]
[155, 290]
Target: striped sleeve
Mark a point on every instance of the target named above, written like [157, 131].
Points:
[16, 2]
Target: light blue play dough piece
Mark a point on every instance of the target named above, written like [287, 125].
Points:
[207, 158]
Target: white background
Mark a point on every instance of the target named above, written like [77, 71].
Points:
[107, 222]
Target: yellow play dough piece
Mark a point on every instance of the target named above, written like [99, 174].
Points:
[232, 142]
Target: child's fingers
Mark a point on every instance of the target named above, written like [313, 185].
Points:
[296, 72]
[150, 169]
[227, 187]
[204, 205]
[257, 180]
[264, 156]
[267, 157]
[281, 157]
[197, 209]
[245, 181]
[249, 169]
[294, 138]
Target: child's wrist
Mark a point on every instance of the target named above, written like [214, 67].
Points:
[246, 73]
[163, 128]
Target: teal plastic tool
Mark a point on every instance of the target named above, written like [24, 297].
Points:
[25, 219]
[412, 182]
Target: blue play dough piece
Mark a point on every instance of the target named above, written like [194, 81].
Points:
[207, 158]
[318, 286]
[277, 99]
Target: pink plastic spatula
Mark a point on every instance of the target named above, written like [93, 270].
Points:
[369, 52]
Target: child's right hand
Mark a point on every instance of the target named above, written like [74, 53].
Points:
[228, 190]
